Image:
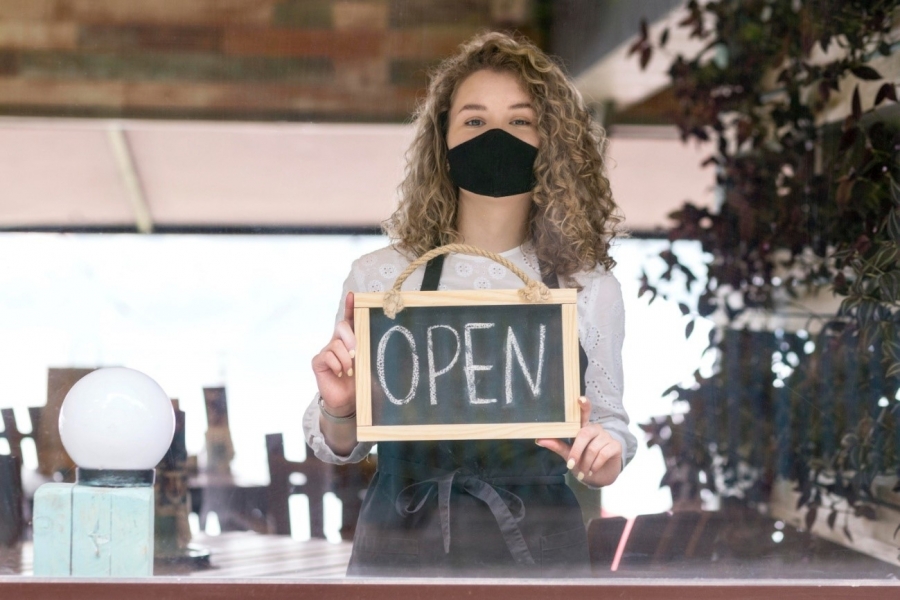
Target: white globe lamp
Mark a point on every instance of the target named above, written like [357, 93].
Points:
[116, 424]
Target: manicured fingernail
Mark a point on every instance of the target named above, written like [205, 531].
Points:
[570, 464]
[590, 473]
[582, 399]
[350, 372]
[580, 476]
[353, 354]
[538, 443]
[341, 374]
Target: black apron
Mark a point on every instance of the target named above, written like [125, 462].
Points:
[490, 508]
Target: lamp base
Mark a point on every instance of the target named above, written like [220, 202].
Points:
[115, 478]
[182, 560]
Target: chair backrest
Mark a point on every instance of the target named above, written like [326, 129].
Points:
[12, 515]
[318, 481]
[52, 456]
[347, 482]
[12, 434]
[219, 445]
[11, 500]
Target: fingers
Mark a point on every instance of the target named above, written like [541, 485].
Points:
[343, 341]
[593, 454]
[592, 449]
[338, 366]
[344, 329]
[567, 452]
[605, 453]
[598, 457]
[333, 366]
[348, 309]
[601, 461]
[334, 357]
[334, 378]
[576, 458]
[343, 334]
[554, 445]
[584, 437]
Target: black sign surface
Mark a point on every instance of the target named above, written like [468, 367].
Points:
[479, 364]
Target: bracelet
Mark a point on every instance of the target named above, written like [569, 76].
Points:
[330, 417]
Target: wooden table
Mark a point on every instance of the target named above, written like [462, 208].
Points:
[238, 554]
[239, 503]
[250, 565]
[247, 554]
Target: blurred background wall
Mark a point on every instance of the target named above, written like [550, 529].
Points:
[335, 60]
[285, 115]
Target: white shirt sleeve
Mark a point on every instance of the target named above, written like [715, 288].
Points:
[311, 430]
[601, 330]
[316, 440]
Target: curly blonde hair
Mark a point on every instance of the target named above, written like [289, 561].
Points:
[573, 216]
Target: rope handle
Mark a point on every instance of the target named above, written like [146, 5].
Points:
[534, 291]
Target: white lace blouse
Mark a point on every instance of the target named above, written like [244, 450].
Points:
[601, 329]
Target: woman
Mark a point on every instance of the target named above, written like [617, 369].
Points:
[506, 158]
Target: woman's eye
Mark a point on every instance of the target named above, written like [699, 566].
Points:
[521, 122]
[475, 122]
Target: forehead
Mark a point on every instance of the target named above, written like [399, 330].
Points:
[489, 87]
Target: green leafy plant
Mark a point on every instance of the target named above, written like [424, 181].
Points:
[808, 207]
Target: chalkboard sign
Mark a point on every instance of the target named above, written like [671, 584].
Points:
[467, 365]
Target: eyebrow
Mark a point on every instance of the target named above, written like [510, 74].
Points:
[483, 107]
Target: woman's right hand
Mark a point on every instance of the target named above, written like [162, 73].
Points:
[333, 366]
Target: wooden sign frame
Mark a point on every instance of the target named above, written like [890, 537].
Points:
[367, 432]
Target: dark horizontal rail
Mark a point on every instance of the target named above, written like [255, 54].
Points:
[203, 229]
[415, 589]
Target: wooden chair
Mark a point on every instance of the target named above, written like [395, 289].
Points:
[12, 521]
[53, 460]
[347, 482]
[11, 433]
[15, 507]
[318, 481]
[350, 483]
[654, 542]
[604, 535]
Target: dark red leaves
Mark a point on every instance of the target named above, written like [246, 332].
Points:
[865, 72]
[857, 104]
[886, 92]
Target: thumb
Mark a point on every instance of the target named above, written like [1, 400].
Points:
[585, 407]
[554, 445]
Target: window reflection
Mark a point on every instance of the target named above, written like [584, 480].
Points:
[96, 291]
[771, 432]
[250, 329]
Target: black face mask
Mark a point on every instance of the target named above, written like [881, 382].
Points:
[495, 163]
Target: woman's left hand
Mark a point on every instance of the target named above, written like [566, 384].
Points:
[594, 457]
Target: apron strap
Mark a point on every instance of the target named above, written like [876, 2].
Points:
[508, 508]
[551, 280]
[433, 273]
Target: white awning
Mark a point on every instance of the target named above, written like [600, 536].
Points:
[65, 174]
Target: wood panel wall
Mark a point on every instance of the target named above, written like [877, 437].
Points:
[357, 60]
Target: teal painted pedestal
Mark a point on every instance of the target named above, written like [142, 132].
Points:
[91, 531]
